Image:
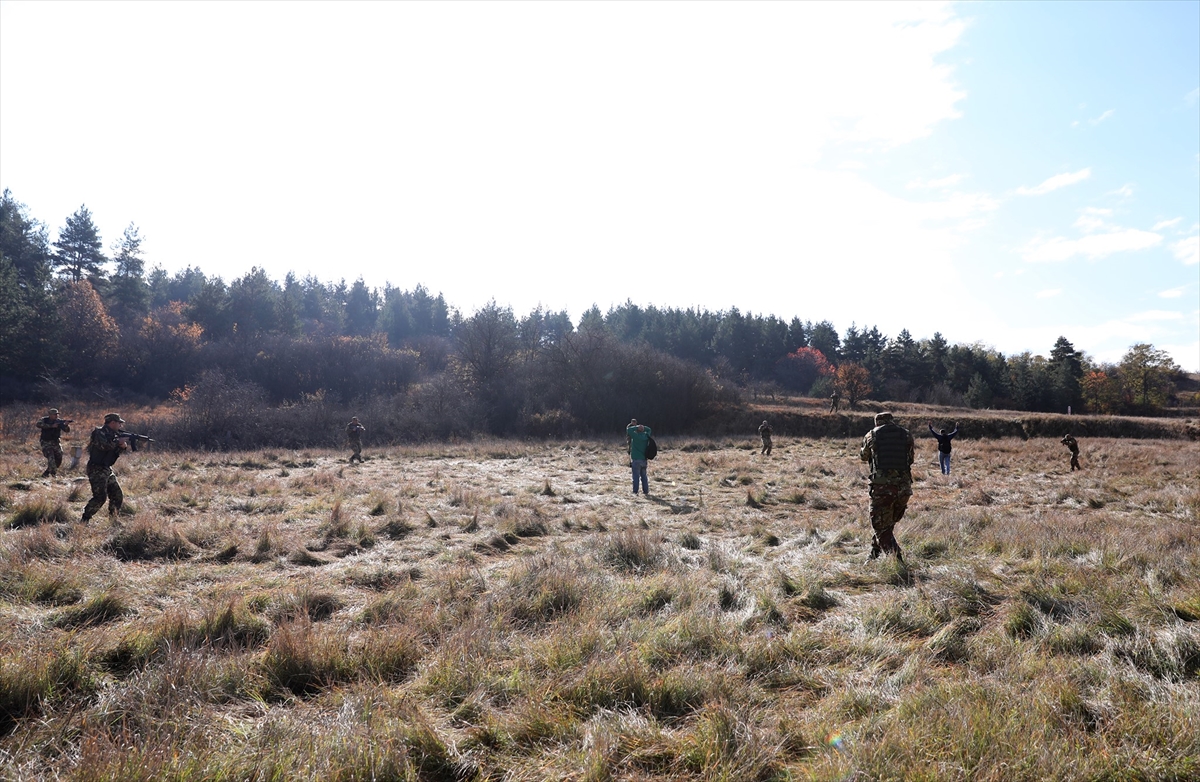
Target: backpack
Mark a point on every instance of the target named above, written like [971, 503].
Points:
[651, 448]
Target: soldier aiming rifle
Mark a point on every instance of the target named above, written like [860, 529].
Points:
[104, 448]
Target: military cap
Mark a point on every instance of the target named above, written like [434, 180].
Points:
[108, 419]
[883, 418]
[53, 411]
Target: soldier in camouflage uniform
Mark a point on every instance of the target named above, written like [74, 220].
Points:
[1073, 446]
[833, 402]
[890, 450]
[764, 431]
[354, 432]
[104, 448]
[52, 428]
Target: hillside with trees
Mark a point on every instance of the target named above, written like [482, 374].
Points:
[74, 319]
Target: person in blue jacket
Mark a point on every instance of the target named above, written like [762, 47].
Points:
[943, 439]
[638, 436]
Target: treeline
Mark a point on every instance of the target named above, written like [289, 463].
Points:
[74, 316]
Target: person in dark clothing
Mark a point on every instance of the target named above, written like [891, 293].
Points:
[638, 437]
[1073, 446]
[890, 451]
[764, 432]
[52, 428]
[943, 439]
[354, 432]
[104, 448]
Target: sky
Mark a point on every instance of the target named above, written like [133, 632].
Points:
[1001, 173]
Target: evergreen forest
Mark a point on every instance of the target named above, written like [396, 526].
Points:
[76, 318]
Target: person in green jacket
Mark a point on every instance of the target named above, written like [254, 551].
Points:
[638, 435]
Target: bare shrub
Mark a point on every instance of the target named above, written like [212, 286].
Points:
[149, 538]
[103, 607]
[541, 590]
[40, 542]
[631, 550]
[40, 512]
[302, 661]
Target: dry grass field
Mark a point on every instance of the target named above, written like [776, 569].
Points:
[510, 611]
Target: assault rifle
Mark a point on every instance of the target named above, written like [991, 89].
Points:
[133, 439]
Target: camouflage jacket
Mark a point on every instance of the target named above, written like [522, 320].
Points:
[104, 448]
[890, 450]
[52, 430]
[354, 432]
[764, 430]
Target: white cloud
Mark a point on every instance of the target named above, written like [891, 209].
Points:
[1187, 250]
[944, 182]
[1191, 98]
[1186, 355]
[1161, 224]
[1055, 182]
[1108, 341]
[1094, 246]
[1125, 191]
[1153, 316]
[1091, 218]
[1102, 117]
[1173, 293]
[1049, 293]
[1089, 223]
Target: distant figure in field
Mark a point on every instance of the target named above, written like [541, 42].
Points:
[833, 402]
[638, 437]
[943, 439]
[52, 428]
[764, 431]
[1073, 446]
[354, 432]
[890, 450]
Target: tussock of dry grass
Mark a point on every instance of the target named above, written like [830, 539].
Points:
[499, 609]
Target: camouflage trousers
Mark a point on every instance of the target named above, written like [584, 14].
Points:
[356, 446]
[1075, 461]
[888, 503]
[766, 447]
[104, 488]
[53, 453]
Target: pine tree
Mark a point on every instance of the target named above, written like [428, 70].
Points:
[23, 242]
[30, 330]
[129, 294]
[362, 309]
[78, 247]
[1066, 367]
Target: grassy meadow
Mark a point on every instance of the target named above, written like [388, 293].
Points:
[511, 611]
